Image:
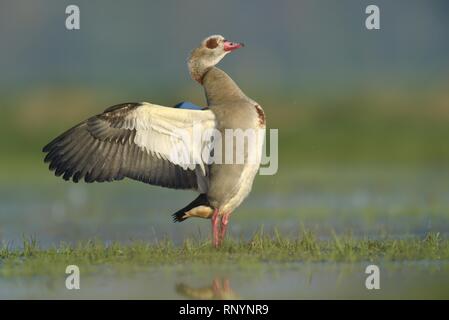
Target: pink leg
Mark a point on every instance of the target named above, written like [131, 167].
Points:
[226, 285]
[224, 225]
[216, 286]
[215, 231]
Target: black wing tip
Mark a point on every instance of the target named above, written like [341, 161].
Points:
[59, 169]
[49, 146]
[178, 216]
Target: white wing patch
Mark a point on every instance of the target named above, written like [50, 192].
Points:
[170, 133]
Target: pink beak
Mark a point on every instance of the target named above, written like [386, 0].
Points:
[230, 46]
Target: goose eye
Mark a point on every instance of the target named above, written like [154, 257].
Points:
[212, 43]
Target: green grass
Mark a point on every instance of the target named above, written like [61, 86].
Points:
[93, 256]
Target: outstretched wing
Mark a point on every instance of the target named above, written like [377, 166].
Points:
[135, 140]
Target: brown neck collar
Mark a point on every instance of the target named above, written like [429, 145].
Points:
[200, 79]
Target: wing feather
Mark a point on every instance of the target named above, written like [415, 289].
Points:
[134, 140]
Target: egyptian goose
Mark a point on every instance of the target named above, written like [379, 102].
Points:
[136, 140]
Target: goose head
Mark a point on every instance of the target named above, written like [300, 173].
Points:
[208, 54]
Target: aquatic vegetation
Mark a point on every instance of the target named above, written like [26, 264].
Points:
[261, 249]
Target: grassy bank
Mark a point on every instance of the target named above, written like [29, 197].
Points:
[261, 249]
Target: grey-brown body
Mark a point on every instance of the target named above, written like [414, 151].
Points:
[230, 184]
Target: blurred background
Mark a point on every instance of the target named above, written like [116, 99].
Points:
[363, 116]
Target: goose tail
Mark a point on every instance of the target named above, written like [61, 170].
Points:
[200, 207]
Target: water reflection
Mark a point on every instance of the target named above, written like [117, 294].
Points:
[220, 289]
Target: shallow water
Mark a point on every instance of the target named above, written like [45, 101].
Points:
[367, 203]
[409, 280]
[372, 203]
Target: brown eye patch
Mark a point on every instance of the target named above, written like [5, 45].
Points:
[212, 43]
